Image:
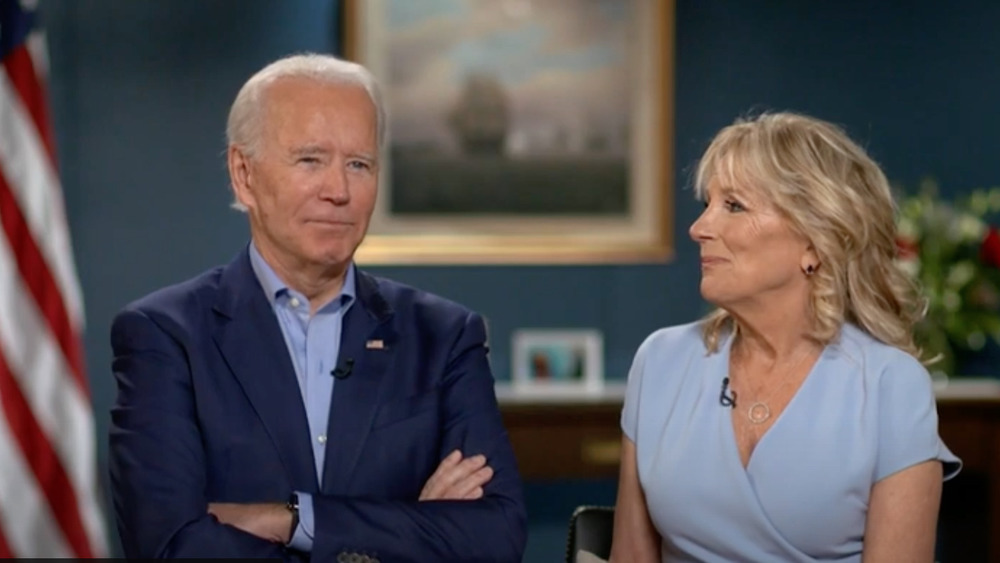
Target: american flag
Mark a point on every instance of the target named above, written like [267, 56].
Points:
[48, 474]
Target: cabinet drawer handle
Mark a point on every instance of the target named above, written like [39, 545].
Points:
[601, 452]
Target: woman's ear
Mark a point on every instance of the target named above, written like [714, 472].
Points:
[810, 261]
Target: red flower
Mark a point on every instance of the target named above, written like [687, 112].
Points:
[989, 252]
[906, 248]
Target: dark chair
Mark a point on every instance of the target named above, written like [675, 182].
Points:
[590, 528]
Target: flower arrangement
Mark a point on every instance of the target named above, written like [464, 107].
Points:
[954, 252]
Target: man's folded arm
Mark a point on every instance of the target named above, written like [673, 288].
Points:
[491, 528]
[488, 529]
[156, 456]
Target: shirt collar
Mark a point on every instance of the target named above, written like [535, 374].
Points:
[274, 287]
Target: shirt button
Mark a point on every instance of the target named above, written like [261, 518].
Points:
[321, 438]
[294, 302]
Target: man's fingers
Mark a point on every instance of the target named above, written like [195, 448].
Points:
[456, 479]
[468, 467]
[432, 485]
[446, 477]
[476, 480]
[438, 481]
[447, 464]
[451, 459]
[465, 484]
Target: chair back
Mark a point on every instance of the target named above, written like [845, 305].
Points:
[590, 528]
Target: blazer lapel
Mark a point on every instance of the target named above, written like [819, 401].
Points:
[250, 340]
[369, 339]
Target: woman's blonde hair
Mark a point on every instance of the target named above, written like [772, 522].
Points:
[835, 195]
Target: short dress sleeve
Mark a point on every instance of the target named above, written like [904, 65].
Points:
[908, 421]
[630, 411]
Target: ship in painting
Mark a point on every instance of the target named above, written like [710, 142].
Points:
[480, 116]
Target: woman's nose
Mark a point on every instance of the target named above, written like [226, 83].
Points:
[701, 228]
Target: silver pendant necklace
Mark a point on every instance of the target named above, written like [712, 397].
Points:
[759, 412]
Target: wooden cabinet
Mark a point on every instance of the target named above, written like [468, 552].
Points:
[565, 441]
[570, 438]
[971, 428]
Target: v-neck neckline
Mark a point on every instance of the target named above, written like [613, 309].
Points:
[734, 445]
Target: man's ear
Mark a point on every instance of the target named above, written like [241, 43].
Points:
[240, 175]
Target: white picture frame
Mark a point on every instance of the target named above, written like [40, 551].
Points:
[557, 361]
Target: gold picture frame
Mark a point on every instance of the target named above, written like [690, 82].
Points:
[505, 165]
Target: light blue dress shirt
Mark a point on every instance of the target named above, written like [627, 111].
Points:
[314, 345]
[865, 411]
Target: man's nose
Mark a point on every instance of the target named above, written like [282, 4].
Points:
[336, 187]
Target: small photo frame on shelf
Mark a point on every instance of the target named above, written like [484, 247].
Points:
[558, 360]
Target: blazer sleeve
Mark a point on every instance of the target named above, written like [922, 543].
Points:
[156, 458]
[492, 528]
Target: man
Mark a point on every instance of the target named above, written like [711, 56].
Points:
[289, 404]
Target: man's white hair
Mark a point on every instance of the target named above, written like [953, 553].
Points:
[246, 116]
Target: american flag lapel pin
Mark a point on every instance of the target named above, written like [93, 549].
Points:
[375, 344]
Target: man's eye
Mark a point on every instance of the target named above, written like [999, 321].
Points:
[359, 165]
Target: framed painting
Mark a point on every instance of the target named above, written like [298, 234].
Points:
[520, 131]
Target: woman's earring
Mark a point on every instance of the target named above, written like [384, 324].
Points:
[810, 270]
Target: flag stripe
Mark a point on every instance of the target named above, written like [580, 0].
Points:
[44, 464]
[31, 531]
[62, 409]
[40, 282]
[5, 552]
[22, 74]
[35, 186]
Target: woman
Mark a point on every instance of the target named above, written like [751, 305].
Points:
[795, 423]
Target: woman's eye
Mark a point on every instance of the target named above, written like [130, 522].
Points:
[734, 206]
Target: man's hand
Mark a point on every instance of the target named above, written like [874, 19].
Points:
[268, 521]
[457, 478]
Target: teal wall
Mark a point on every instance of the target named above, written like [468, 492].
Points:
[140, 90]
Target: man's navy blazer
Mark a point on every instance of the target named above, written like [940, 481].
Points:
[209, 410]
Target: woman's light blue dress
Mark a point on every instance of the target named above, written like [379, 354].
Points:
[865, 411]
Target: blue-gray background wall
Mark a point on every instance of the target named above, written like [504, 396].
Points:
[140, 90]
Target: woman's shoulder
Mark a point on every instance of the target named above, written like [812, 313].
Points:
[875, 357]
[669, 344]
[666, 362]
[674, 338]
